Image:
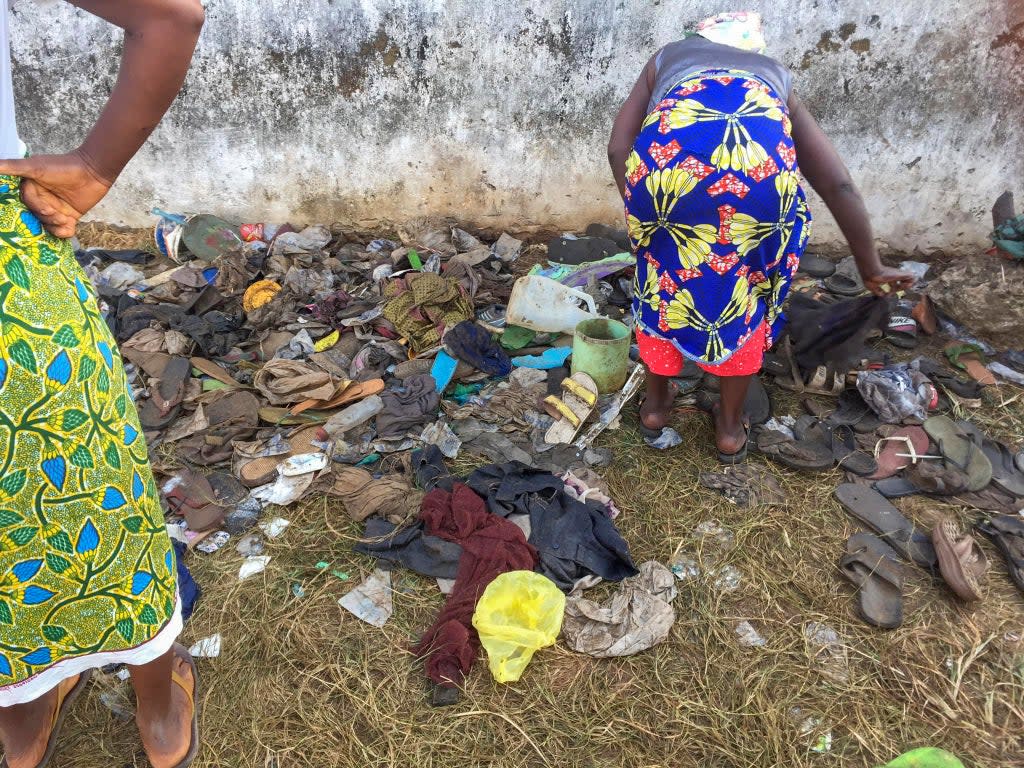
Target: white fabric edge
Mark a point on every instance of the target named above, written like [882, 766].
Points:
[50, 678]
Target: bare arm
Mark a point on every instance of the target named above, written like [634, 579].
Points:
[824, 170]
[628, 122]
[160, 36]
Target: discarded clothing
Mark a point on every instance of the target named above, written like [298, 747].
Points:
[833, 334]
[410, 407]
[423, 305]
[430, 470]
[411, 547]
[491, 546]
[505, 404]
[574, 539]
[897, 393]
[637, 617]
[388, 497]
[473, 344]
[284, 382]
[746, 485]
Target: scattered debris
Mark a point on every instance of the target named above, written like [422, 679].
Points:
[371, 600]
[207, 648]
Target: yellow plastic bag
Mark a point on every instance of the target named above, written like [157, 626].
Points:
[518, 613]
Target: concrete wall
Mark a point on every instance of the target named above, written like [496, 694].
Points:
[497, 112]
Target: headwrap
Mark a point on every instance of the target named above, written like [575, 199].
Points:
[740, 29]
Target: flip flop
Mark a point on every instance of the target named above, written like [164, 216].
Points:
[579, 396]
[150, 416]
[899, 450]
[737, 457]
[871, 508]
[924, 314]
[279, 416]
[840, 438]
[962, 563]
[757, 406]
[957, 446]
[816, 266]
[843, 285]
[195, 499]
[1004, 468]
[823, 380]
[214, 371]
[171, 389]
[193, 696]
[351, 393]
[901, 329]
[262, 470]
[967, 388]
[808, 455]
[1006, 532]
[970, 358]
[60, 713]
[873, 567]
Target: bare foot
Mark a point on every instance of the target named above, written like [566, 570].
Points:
[168, 738]
[657, 405]
[25, 747]
[729, 438]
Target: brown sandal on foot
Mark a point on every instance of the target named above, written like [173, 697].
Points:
[193, 695]
[64, 702]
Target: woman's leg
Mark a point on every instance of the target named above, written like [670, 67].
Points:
[163, 713]
[663, 361]
[730, 430]
[657, 404]
[25, 728]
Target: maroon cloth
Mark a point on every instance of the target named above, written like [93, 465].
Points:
[491, 546]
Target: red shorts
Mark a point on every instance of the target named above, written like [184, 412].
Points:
[663, 359]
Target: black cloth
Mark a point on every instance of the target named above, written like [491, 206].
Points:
[188, 590]
[472, 344]
[430, 470]
[419, 552]
[573, 539]
[833, 334]
[409, 407]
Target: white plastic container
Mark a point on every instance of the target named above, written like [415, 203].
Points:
[545, 305]
[354, 415]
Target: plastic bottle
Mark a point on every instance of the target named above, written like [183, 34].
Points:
[353, 416]
[548, 306]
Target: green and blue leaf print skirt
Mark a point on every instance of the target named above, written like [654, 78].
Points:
[87, 572]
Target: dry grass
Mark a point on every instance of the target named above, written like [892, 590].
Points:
[302, 683]
[92, 234]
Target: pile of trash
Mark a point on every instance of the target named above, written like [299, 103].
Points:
[893, 420]
[270, 365]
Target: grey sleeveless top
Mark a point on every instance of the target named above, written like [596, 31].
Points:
[677, 60]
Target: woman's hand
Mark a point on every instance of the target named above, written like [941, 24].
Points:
[58, 189]
[876, 280]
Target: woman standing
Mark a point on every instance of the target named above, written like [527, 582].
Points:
[705, 153]
[87, 573]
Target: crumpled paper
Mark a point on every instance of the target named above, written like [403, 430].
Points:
[371, 601]
[637, 617]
